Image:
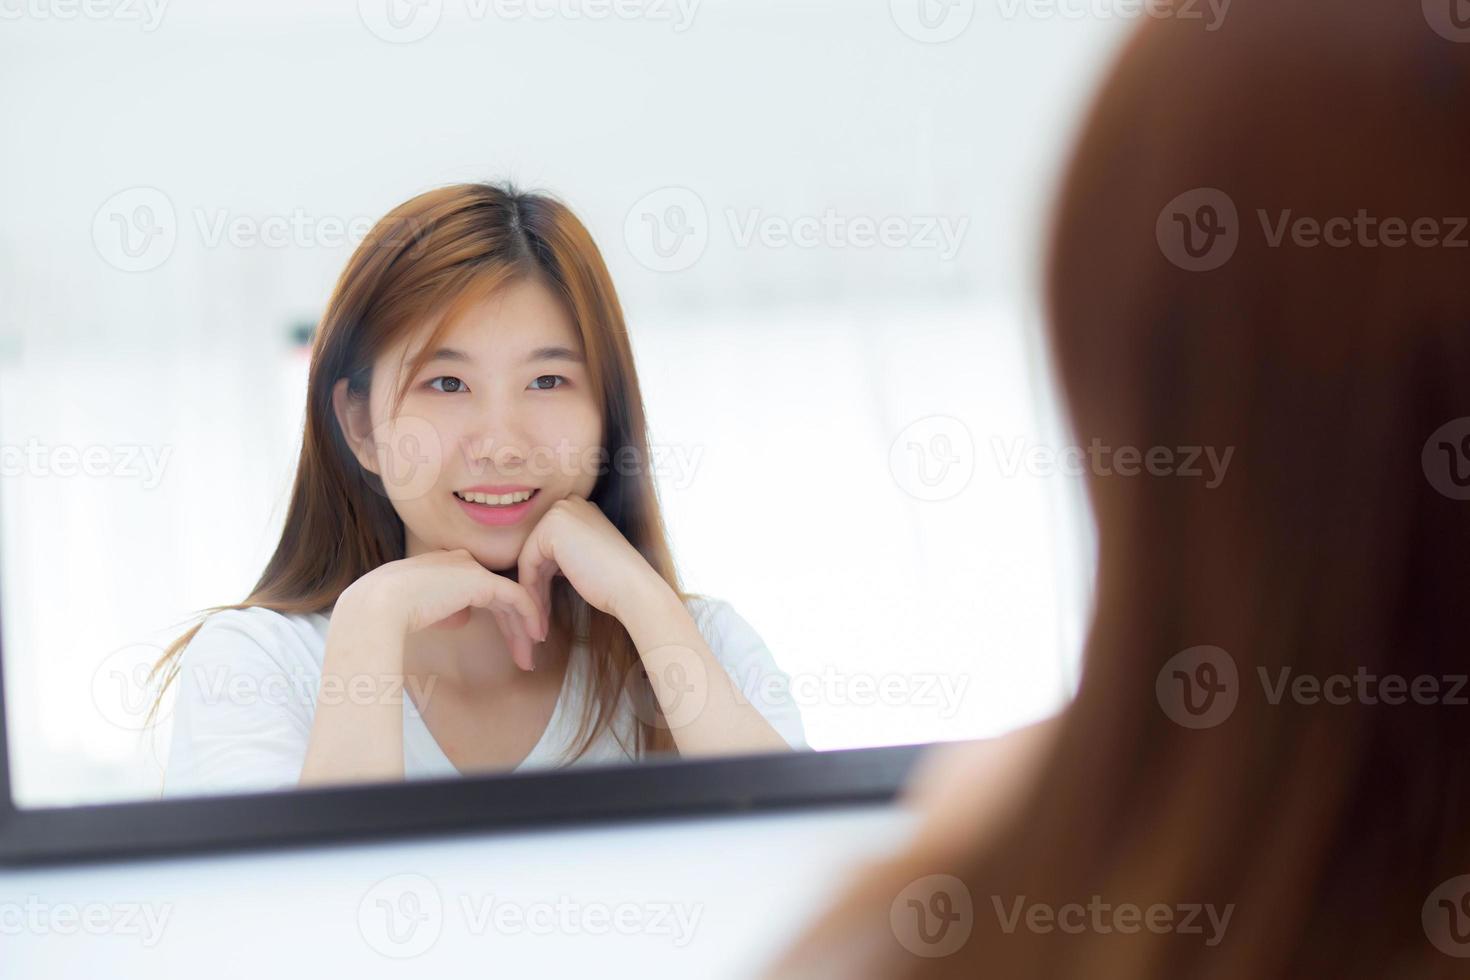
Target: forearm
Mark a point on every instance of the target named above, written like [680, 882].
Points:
[357, 732]
[706, 712]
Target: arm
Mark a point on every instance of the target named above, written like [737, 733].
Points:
[355, 738]
[706, 712]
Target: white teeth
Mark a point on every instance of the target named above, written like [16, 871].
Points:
[500, 500]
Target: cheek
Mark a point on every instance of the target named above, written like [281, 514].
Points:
[571, 437]
[410, 452]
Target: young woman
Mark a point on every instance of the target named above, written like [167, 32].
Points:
[473, 573]
[1292, 798]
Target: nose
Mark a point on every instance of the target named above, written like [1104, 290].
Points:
[496, 443]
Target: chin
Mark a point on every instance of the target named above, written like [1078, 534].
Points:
[499, 560]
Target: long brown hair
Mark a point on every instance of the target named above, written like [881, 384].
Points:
[437, 254]
[1336, 544]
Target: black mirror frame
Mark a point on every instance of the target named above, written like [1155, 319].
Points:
[515, 801]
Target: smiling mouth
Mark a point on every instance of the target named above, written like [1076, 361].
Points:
[497, 500]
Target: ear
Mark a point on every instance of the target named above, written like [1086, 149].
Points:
[354, 417]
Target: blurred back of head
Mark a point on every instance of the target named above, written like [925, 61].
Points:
[1260, 256]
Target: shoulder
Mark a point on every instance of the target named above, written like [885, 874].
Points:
[750, 664]
[727, 632]
[713, 613]
[243, 707]
[258, 635]
[704, 607]
[965, 790]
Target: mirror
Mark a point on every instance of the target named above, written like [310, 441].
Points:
[807, 301]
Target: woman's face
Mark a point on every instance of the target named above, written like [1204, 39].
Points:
[505, 407]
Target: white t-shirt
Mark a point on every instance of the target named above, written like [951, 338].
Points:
[250, 679]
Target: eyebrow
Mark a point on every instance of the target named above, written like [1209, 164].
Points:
[554, 353]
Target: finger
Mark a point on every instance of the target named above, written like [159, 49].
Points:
[546, 605]
[500, 592]
[536, 626]
[519, 600]
[543, 571]
[520, 645]
[512, 627]
[500, 621]
[526, 567]
[534, 570]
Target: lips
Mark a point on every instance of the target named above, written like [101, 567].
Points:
[486, 494]
[496, 515]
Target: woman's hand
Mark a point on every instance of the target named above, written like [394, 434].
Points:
[439, 589]
[705, 711]
[576, 539]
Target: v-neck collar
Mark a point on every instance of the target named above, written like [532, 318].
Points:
[441, 758]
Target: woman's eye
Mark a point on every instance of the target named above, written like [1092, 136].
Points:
[457, 385]
[556, 382]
